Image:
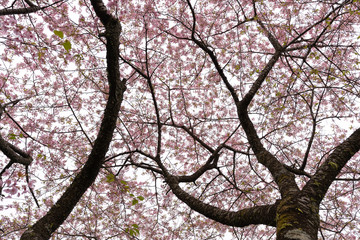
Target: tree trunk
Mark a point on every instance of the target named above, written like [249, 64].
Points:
[297, 218]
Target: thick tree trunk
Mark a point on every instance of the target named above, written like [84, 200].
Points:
[297, 218]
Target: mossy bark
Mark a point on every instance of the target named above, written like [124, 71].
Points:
[297, 218]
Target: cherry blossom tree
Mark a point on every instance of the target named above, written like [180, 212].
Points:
[180, 119]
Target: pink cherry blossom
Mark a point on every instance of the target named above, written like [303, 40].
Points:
[179, 119]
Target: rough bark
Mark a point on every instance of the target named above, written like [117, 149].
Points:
[318, 185]
[297, 218]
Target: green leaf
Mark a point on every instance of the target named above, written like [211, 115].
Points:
[60, 34]
[40, 54]
[123, 182]
[67, 45]
[110, 178]
[39, 156]
[135, 225]
[134, 202]
[141, 198]
[12, 136]
[133, 231]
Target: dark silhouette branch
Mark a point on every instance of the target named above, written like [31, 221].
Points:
[327, 172]
[25, 10]
[284, 178]
[15, 154]
[57, 214]
[255, 215]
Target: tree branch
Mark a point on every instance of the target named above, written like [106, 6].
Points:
[255, 215]
[284, 178]
[15, 154]
[19, 11]
[44, 227]
[25, 10]
[327, 172]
